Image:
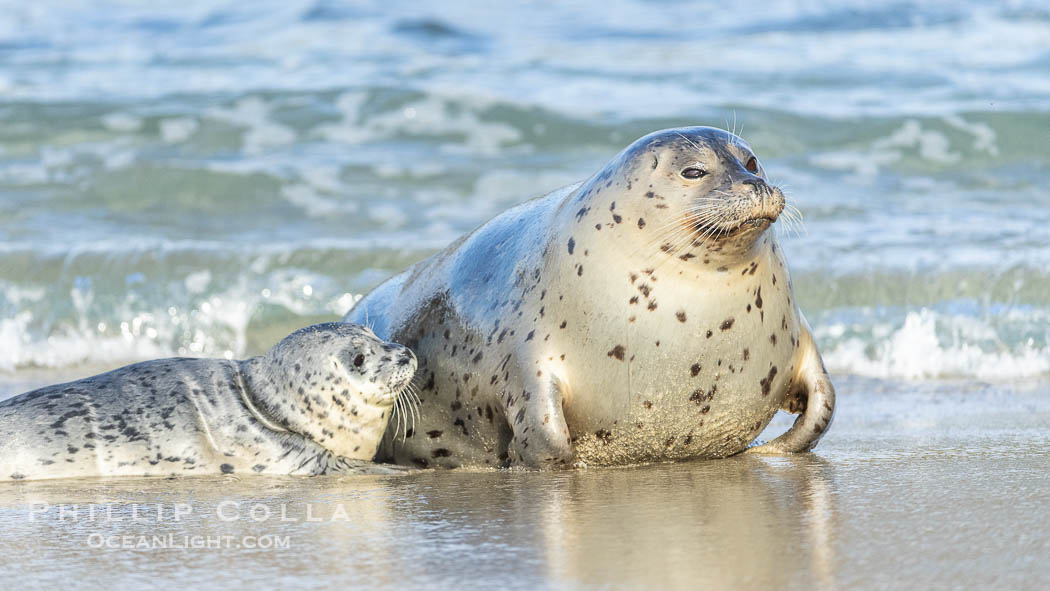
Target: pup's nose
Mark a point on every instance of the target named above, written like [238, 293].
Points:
[407, 358]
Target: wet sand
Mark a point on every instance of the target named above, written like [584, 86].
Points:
[918, 485]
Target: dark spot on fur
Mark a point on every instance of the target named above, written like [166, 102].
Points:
[440, 453]
[767, 382]
[572, 245]
[694, 370]
[459, 423]
[680, 315]
[726, 324]
[700, 397]
[226, 469]
[617, 352]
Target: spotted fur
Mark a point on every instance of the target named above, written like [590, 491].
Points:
[318, 402]
[567, 330]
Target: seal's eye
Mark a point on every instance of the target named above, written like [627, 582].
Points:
[752, 164]
[359, 360]
[693, 173]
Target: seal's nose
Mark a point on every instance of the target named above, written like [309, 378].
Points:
[406, 368]
[768, 200]
[407, 357]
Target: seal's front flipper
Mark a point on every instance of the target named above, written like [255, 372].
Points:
[541, 437]
[344, 465]
[813, 396]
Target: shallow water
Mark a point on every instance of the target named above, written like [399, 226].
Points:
[934, 487]
[201, 178]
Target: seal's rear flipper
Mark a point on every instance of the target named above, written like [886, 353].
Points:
[813, 396]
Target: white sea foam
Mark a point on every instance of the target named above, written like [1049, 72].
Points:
[313, 202]
[200, 321]
[122, 122]
[254, 115]
[70, 346]
[932, 345]
[433, 115]
[178, 129]
[911, 137]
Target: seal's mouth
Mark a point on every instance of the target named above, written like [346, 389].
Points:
[727, 230]
[758, 221]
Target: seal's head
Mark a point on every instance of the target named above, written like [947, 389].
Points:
[349, 356]
[337, 384]
[697, 187]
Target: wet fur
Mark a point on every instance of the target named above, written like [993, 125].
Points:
[317, 403]
[637, 316]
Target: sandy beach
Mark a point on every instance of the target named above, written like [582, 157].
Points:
[918, 485]
[201, 178]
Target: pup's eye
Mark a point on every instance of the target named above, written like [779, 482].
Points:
[359, 360]
[693, 173]
[752, 165]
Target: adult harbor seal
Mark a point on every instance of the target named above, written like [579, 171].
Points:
[318, 402]
[644, 314]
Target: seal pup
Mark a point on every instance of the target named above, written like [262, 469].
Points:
[317, 403]
[645, 314]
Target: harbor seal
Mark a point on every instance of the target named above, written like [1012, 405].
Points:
[317, 403]
[645, 314]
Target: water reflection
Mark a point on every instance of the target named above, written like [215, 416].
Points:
[719, 524]
[726, 523]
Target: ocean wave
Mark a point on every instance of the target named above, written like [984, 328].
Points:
[110, 303]
[928, 345]
[115, 303]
